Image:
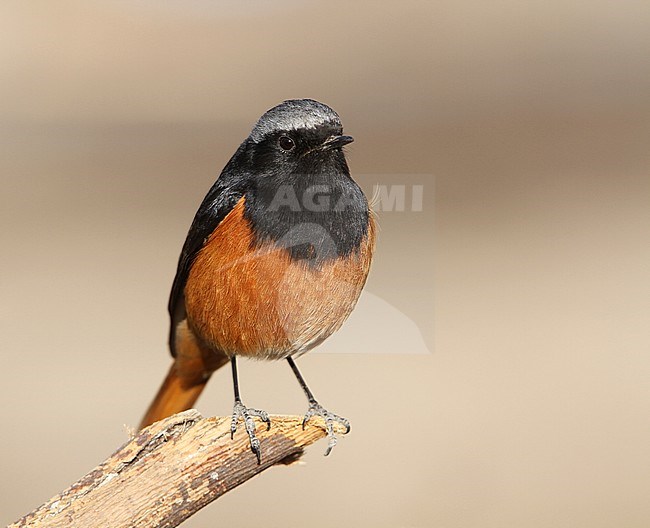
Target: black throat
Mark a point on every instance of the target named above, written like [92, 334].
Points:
[316, 211]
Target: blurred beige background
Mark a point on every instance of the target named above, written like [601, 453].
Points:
[528, 123]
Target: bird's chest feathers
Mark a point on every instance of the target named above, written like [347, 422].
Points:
[257, 299]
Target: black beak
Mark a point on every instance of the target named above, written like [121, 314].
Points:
[334, 142]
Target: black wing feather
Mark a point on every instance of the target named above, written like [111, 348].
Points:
[220, 200]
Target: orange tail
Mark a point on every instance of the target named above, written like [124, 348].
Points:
[186, 379]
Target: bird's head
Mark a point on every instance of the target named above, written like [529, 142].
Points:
[298, 137]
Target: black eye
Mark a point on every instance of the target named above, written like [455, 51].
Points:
[286, 143]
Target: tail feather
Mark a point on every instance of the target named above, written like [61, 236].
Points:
[186, 379]
[175, 395]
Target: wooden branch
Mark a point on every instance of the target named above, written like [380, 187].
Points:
[170, 470]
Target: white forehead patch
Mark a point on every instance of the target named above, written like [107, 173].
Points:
[294, 115]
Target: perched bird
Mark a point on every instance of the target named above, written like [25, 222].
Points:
[273, 263]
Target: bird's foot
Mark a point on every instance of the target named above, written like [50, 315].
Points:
[316, 409]
[247, 414]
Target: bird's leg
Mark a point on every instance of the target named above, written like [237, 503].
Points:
[241, 411]
[316, 409]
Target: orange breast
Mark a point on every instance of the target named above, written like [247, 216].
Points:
[256, 301]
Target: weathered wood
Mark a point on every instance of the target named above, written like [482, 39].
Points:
[169, 471]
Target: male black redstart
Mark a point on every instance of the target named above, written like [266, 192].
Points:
[273, 263]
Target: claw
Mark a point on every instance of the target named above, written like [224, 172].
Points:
[315, 409]
[240, 411]
[330, 445]
[267, 420]
[233, 426]
[255, 448]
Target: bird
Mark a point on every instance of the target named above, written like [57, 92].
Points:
[273, 263]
